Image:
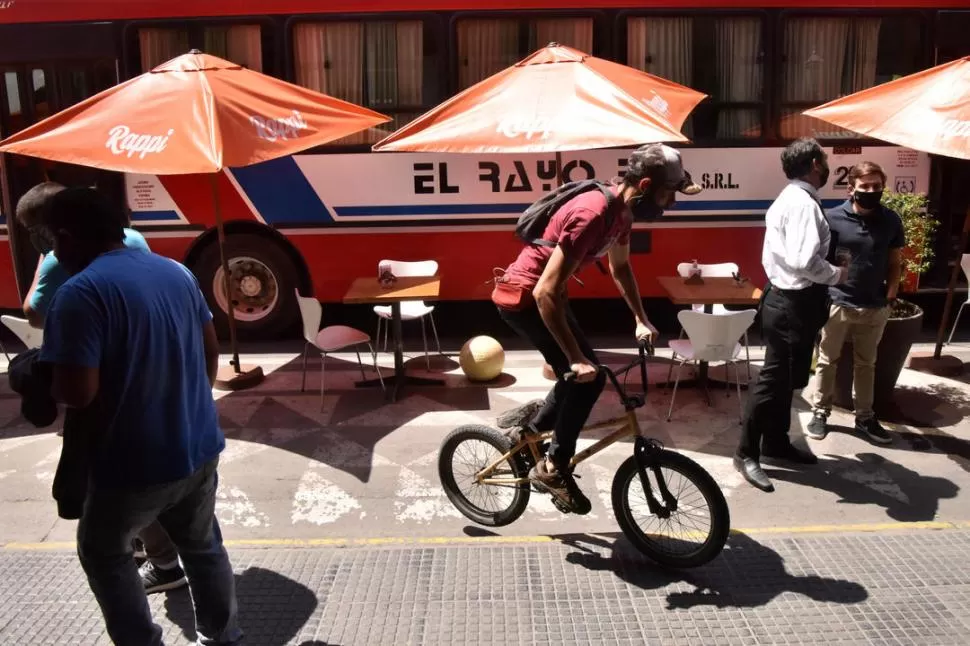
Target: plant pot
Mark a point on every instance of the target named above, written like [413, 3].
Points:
[902, 329]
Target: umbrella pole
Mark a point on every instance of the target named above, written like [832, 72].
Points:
[233, 378]
[951, 287]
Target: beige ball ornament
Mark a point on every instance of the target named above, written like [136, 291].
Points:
[482, 358]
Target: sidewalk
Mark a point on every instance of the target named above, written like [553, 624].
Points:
[906, 587]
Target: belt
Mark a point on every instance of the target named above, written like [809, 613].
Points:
[811, 290]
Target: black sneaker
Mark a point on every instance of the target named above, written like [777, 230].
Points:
[871, 427]
[563, 488]
[158, 580]
[818, 428]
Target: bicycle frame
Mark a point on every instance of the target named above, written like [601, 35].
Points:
[626, 426]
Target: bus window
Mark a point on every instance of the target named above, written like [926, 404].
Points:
[720, 56]
[240, 44]
[487, 46]
[829, 57]
[42, 94]
[14, 108]
[381, 65]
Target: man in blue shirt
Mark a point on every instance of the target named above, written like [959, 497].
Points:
[161, 571]
[869, 239]
[130, 334]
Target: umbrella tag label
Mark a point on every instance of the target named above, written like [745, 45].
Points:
[122, 140]
[280, 128]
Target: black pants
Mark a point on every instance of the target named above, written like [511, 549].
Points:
[790, 323]
[568, 404]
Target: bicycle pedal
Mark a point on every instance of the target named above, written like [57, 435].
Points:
[561, 506]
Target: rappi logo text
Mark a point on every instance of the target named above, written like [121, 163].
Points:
[121, 141]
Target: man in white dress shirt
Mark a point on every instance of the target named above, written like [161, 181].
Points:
[793, 310]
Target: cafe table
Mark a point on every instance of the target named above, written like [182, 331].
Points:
[712, 290]
[405, 288]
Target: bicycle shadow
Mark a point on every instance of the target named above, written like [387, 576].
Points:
[764, 576]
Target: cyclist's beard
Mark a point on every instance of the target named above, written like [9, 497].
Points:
[645, 208]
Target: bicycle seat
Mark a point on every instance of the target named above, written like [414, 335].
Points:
[519, 417]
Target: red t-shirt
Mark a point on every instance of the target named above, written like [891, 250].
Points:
[579, 226]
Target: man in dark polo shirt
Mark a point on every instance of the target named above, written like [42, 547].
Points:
[582, 233]
[869, 239]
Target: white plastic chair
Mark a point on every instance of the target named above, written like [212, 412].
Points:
[965, 266]
[28, 335]
[717, 270]
[410, 310]
[330, 339]
[710, 337]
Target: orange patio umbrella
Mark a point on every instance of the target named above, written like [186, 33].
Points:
[194, 114]
[556, 99]
[927, 111]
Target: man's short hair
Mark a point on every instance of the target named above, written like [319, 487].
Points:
[662, 165]
[32, 206]
[797, 157]
[865, 168]
[87, 215]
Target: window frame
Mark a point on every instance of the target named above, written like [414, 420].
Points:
[433, 26]
[927, 36]
[767, 82]
[269, 39]
[602, 38]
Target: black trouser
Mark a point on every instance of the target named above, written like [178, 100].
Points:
[569, 403]
[790, 323]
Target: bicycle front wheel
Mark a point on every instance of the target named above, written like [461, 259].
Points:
[698, 523]
[466, 451]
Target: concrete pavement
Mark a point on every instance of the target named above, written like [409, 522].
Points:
[301, 480]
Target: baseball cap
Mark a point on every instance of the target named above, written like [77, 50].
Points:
[646, 158]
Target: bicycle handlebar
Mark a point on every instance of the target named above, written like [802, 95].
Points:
[644, 348]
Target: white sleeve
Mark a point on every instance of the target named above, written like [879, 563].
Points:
[803, 252]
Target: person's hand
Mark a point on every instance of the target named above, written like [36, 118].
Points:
[584, 370]
[646, 331]
[843, 275]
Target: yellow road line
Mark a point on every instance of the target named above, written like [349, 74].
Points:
[491, 540]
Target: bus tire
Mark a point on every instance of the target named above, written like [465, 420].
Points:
[264, 279]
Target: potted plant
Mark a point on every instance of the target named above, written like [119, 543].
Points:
[906, 318]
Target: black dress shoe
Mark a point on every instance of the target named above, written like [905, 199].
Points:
[790, 454]
[752, 472]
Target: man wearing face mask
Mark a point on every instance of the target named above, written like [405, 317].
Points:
[793, 310]
[583, 230]
[870, 239]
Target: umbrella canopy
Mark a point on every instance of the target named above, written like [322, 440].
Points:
[928, 110]
[194, 114]
[557, 99]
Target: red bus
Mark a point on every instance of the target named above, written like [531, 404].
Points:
[319, 219]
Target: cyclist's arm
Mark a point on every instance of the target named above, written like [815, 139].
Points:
[626, 282]
[550, 296]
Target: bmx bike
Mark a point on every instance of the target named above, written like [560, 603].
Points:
[491, 484]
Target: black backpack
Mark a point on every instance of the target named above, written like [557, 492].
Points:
[533, 221]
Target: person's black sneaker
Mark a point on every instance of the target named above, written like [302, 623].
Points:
[871, 427]
[156, 579]
[562, 486]
[818, 428]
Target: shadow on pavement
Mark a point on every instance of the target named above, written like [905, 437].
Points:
[746, 574]
[871, 479]
[272, 608]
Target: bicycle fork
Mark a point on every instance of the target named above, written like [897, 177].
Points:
[645, 452]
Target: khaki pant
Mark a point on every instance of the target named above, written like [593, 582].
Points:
[864, 327]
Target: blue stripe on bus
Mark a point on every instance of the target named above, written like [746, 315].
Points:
[155, 216]
[281, 192]
[502, 209]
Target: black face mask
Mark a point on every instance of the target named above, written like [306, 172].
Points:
[41, 243]
[645, 208]
[824, 177]
[867, 200]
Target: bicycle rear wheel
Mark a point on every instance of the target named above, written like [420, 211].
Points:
[465, 452]
[698, 524]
